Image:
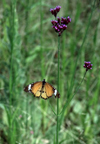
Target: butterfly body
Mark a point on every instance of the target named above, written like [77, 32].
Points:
[42, 89]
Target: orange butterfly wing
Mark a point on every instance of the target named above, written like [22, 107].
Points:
[43, 93]
[36, 88]
[49, 89]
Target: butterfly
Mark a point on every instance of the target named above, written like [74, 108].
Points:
[42, 89]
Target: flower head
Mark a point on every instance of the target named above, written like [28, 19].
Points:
[65, 21]
[88, 65]
[60, 24]
[55, 10]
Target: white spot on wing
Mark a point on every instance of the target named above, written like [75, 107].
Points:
[55, 92]
[29, 87]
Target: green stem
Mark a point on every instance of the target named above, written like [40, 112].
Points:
[26, 43]
[42, 62]
[70, 98]
[68, 102]
[41, 41]
[57, 130]
[11, 36]
[11, 39]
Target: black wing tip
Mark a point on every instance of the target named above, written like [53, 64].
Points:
[26, 89]
[57, 95]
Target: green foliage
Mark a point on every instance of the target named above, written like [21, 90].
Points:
[28, 53]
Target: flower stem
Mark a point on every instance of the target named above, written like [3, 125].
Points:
[42, 62]
[57, 130]
[41, 41]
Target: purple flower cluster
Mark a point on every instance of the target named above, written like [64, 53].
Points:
[60, 24]
[87, 65]
[55, 10]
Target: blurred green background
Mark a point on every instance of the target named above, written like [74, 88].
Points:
[28, 53]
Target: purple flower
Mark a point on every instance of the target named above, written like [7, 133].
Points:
[54, 22]
[58, 8]
[65, 21]
[58, 20]
[55, 10]
[60, 24]
[64, 27]
[87, 65]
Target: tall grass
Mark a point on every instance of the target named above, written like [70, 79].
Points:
[26, 39]
[11, 37]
